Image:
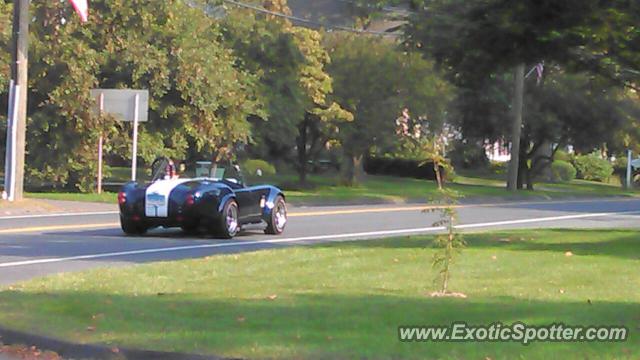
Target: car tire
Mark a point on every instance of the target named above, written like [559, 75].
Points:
[228, 225]
[278, 218]
[131, 227]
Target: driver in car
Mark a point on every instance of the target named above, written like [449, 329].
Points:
[170, 171]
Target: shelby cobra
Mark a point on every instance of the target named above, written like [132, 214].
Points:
[219, 205]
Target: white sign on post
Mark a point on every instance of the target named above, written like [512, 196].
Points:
[120, 103]
[125, 105]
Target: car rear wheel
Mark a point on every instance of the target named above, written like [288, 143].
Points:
[229, 226]
[278, 219]
[131, 227]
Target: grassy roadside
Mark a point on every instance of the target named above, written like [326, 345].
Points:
[345, 300]
[326, 189]
[105, 197]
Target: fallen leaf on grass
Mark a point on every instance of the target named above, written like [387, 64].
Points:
[448, 294]
[272, 297]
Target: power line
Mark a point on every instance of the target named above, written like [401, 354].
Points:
[383, 8]
[306, 21]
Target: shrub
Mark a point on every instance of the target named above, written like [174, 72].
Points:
[620, 168]
[562, 171]
[592, 167]
[399, 167]
[469, 156]
[251, 166]
[563, 155]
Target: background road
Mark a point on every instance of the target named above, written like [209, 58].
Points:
[32, 246]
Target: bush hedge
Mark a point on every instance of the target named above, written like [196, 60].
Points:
[251, 166]
[400, 167]
[562, 171]
[592, 167]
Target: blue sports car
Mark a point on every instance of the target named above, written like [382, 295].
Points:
[220, 205]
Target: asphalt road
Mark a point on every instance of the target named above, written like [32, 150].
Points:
[33, 246]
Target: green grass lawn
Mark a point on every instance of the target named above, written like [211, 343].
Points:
[105, 197]
[327, 189]
[346, 300]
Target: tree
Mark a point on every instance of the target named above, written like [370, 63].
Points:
[565, 109]
[6, 11]
[199, 99]
[375, 80]
[295, 86]
[477, 40]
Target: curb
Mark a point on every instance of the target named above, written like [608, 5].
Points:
[93, 351]
[474, 200]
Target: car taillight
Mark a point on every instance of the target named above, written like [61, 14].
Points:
[189, 200]
[122, 197]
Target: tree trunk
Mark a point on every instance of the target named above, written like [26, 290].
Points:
[523, 169]
[302, 151]
[354, 171]
[518, 97]
[436, 169]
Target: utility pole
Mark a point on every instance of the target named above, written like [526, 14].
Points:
[628, 184]
[19, 68]
[518, 100]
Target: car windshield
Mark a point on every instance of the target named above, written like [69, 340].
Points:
[164, 168]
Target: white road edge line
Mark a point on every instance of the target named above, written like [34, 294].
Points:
[309, 238]
[58, 215]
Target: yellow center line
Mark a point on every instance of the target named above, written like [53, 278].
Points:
[307, 214]
[58, 227]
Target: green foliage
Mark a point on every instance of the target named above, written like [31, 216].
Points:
[593, 167]
[451, 242]
[469, 155]
[585, 45]
[562, 171]
[375, 80]
[6, 11]
[290, 64]
[478, 38]
[563, 155]
[199, 99]
[251, 166]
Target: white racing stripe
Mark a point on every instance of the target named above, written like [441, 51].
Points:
[157, 197]
[308, 239]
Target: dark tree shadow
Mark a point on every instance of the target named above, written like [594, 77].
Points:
[329, 326]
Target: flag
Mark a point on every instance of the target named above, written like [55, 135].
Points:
[82, 8]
